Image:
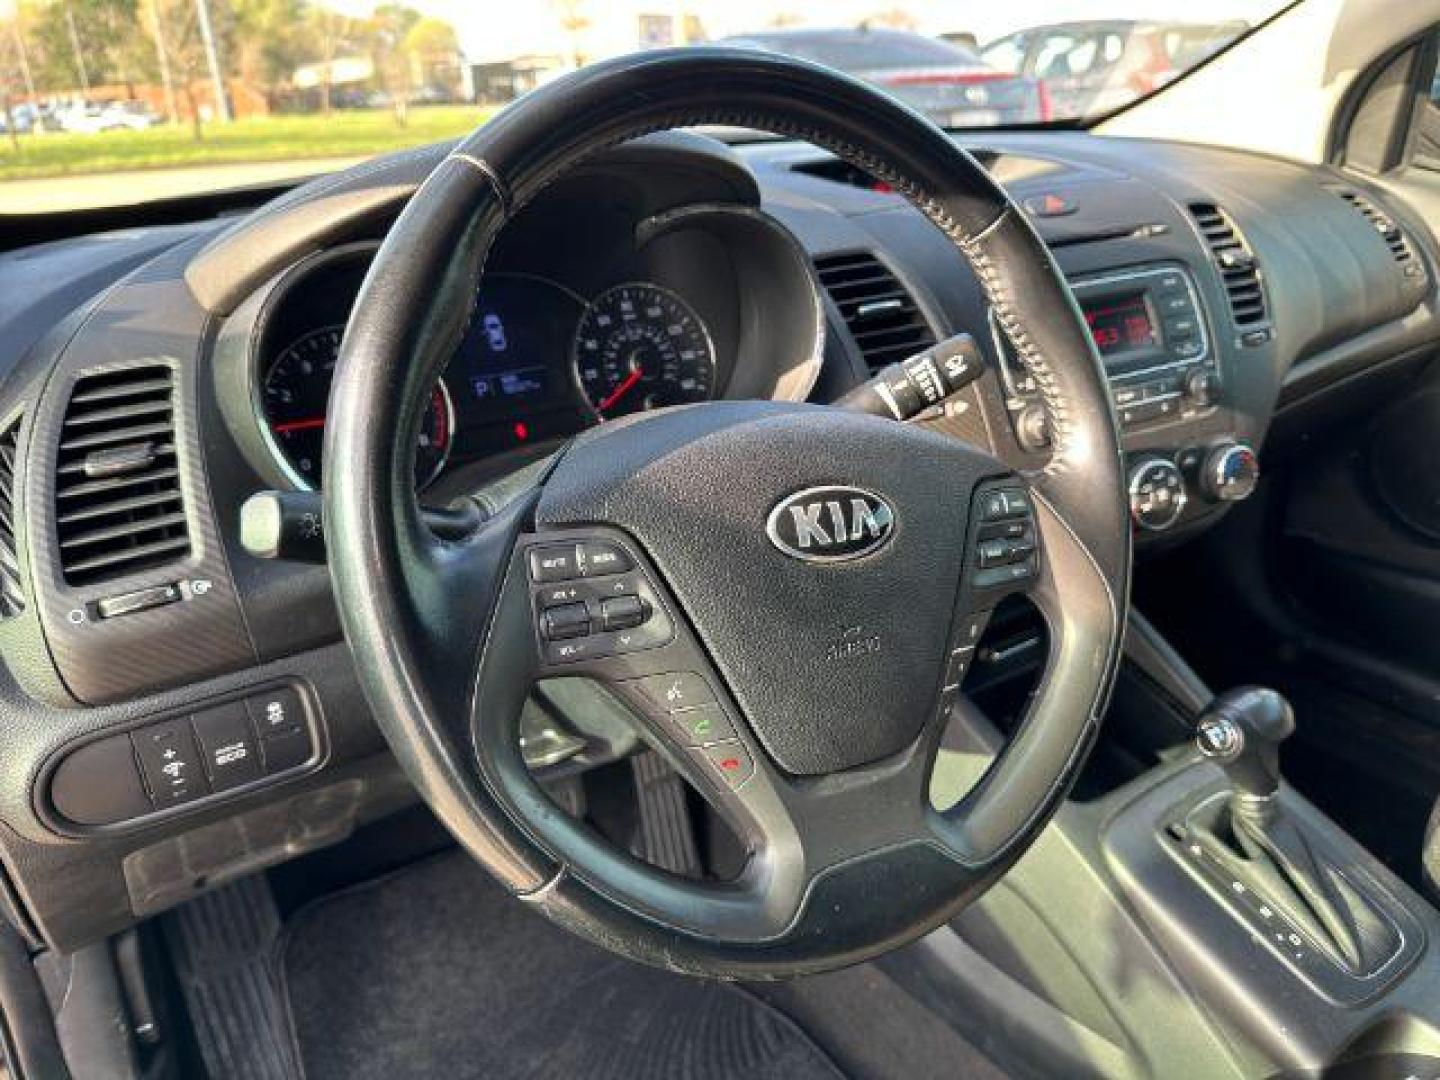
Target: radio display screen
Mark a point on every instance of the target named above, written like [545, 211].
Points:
[1121, 323]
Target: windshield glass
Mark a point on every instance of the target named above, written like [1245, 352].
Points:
[106, 102]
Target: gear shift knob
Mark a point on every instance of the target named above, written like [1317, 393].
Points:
[1241, 730]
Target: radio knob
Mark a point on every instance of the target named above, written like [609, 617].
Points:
[1157, 494]
[1230, 472]
[1202, 387]
[1032, 428]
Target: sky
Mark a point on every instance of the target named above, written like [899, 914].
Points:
[532, 25]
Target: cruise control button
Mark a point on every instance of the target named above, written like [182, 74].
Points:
[701, 726]
[555, 563]
[231, 755]
[599, 557]
[729, 761]
[565, 621]
[674, 691]
[622, 612]
[170, 762]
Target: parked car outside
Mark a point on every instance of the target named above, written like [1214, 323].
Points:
[1093, 67]
[108, 116]
[947, 83]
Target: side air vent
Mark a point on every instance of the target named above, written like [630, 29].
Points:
[1238, 269]
[879, 311]
[118, 507]
[1382, 223]
[12, 589]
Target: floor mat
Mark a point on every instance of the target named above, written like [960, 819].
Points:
[435, 972]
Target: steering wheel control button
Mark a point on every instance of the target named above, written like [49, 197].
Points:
[555, 563]
[673, 691]
[1005, 540]
[571, 651]
[564, 622]
[560, 594]
[622, 612]
[957, 665]
[170, 762]
[232, 755]
[971, 627]
[701, 726]
[730, 762]
[596, 558]
[1003, 504]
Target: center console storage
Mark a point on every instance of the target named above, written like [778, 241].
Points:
[1190, 914]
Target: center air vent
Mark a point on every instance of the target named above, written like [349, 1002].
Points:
[1238, 269]
[1382, 223]
[879, 311]
[12, 590]
[118, 507]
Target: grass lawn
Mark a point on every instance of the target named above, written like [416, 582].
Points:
[273, 138]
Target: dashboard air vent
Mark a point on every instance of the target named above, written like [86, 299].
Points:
[879, 312]
[12, 590]
[1382, 223]
[118, 506]
[1238, 269]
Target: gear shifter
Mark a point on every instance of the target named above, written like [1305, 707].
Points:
[1241, 730]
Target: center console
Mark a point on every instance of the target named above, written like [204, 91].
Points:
[1187, 912]
[1168, 384]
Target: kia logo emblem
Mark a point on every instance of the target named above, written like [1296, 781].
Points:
[830, 524]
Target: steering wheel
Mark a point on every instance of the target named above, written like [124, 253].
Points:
[786, 595]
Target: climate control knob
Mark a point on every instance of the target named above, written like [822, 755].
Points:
[1230, 472]
[1157, 494]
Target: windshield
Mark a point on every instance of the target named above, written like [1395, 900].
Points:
[108, 102]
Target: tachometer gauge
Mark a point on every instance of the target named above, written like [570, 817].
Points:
[296, 393]
[639, 346]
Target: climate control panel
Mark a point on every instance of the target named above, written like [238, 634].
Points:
[1162, 485]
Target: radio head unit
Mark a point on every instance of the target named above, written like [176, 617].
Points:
[1152, 337]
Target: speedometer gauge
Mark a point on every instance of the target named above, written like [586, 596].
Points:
[296, 393]
[639, 346]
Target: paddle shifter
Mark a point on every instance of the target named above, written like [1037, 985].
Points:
[1241, 731]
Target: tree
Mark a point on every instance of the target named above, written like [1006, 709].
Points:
[574, 21]
[269, 40]
[389, 26]
[433, 50]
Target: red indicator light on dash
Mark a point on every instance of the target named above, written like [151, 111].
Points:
[522, 430]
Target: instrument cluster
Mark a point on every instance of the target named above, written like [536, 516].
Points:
[539, 361]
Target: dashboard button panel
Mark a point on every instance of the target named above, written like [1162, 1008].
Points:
[188, 759]
[170, 762]
[228, 743]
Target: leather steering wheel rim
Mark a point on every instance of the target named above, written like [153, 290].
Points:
[443, 633]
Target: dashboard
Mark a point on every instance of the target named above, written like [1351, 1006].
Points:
[155, 379]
